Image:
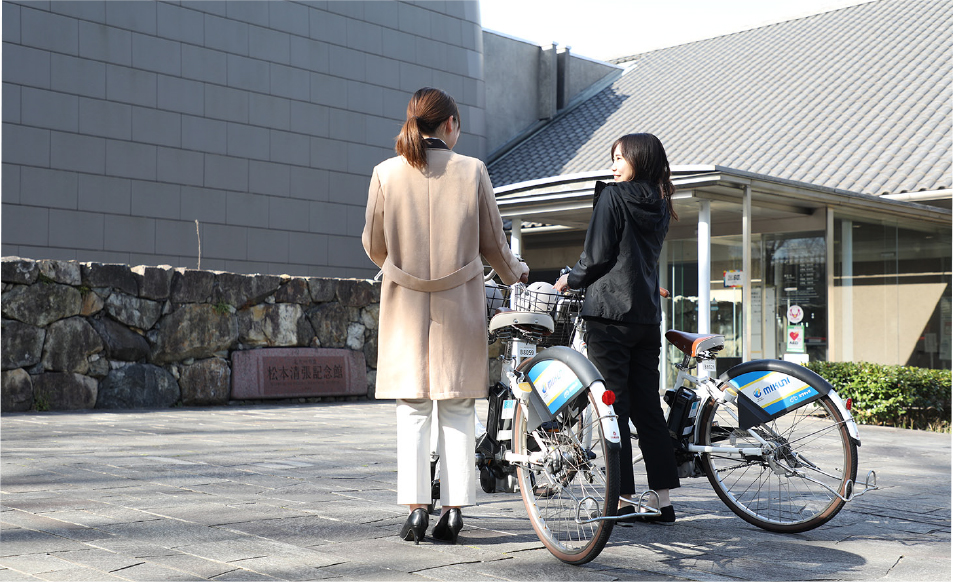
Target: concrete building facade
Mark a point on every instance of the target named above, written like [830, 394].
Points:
[153, 132]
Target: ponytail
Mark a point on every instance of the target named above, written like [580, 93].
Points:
[427, 109]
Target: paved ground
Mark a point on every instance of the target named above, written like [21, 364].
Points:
[303, 492]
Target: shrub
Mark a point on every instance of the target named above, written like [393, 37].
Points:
[892, 395]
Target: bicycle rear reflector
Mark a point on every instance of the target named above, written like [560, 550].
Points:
[608, 397]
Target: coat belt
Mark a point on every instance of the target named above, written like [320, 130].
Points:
[454, 279]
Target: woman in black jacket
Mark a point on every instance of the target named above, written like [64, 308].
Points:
[619, 269]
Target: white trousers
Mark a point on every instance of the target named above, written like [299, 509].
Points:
[455, 445]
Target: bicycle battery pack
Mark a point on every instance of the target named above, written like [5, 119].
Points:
[683, 405]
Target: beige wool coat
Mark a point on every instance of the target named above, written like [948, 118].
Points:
[427, 232]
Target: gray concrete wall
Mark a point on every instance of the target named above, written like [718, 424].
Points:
[125, 122]
[584, 72]
[526, 84]
[511, 71]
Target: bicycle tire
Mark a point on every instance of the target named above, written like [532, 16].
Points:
[770, 490]
[590, 475]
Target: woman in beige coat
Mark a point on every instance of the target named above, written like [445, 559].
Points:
[431, 214]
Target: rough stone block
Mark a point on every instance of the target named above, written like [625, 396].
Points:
[297, 372]
[242, 290]
[133, 311]
[120, 342]
[110, 275]
[154, 282]
[280, 324]
[322, 290]
[205, 382]
[138, 386]
[41, 304]
[358, 292]
[17, 270]
[69, 342]
[294, 290]
[65, 272]
[17, 391]
[370, 351]
[192, 286]
[330, 322]
[64, 391]
[22, 344]
[92, 304]
[194, 331]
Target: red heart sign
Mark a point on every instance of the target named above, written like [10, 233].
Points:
[794, 335]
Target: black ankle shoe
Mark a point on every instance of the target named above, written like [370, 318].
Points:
[668, 515]
[449, 526]
[416, 526]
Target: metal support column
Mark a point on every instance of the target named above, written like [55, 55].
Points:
[704, 266]
[747, 312]
[704, 279]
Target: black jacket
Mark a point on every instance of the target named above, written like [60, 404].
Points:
[619, 263]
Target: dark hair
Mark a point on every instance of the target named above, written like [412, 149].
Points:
[645, 153]
[428, 108]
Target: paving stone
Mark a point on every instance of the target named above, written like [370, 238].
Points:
[308, 492]
[18, 541]
[8, 575]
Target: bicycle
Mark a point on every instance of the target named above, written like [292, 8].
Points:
[551, 431]
[775, 440]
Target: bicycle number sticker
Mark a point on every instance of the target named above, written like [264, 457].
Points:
[527, 351]
[773, 391]
[509, 408]
[555, 383]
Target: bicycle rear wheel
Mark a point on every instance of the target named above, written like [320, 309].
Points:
[576, 482]
[790, 488]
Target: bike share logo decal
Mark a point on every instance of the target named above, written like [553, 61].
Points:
[773, 391]
[555, 383]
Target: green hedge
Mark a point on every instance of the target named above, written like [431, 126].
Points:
[892, 395]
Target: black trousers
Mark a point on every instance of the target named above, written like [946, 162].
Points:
[627, 356]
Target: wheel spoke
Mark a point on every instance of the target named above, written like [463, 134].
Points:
[774, 490]
[580, 484]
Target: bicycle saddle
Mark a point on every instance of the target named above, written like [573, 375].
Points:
[525, 320]
[691, 344]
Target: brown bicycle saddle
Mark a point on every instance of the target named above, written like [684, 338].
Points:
[692, 344]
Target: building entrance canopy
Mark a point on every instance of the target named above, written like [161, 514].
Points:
[713, 201]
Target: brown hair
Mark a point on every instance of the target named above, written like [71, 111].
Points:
[645, 153]
[428, 108]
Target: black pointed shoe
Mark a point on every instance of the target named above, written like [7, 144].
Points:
[416, 526]
[449, 526]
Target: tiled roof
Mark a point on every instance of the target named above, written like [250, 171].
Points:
[857, 99]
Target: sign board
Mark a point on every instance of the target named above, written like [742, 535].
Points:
[795, 314]
[795, 339]
[734, 278]
[297, 372]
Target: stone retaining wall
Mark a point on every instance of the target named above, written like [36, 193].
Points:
[94, 335]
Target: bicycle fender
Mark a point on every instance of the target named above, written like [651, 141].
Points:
[607, 415]
[767, 389]
[559, 375]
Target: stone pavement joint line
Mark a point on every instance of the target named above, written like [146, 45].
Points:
[307, 492]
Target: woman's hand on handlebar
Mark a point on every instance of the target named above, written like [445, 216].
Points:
[562, 284]
[524, 278]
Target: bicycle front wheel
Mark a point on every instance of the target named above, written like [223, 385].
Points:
[790, 487]
[574, 483]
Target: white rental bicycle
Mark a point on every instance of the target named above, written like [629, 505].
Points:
[777, 443]
[551, 431]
